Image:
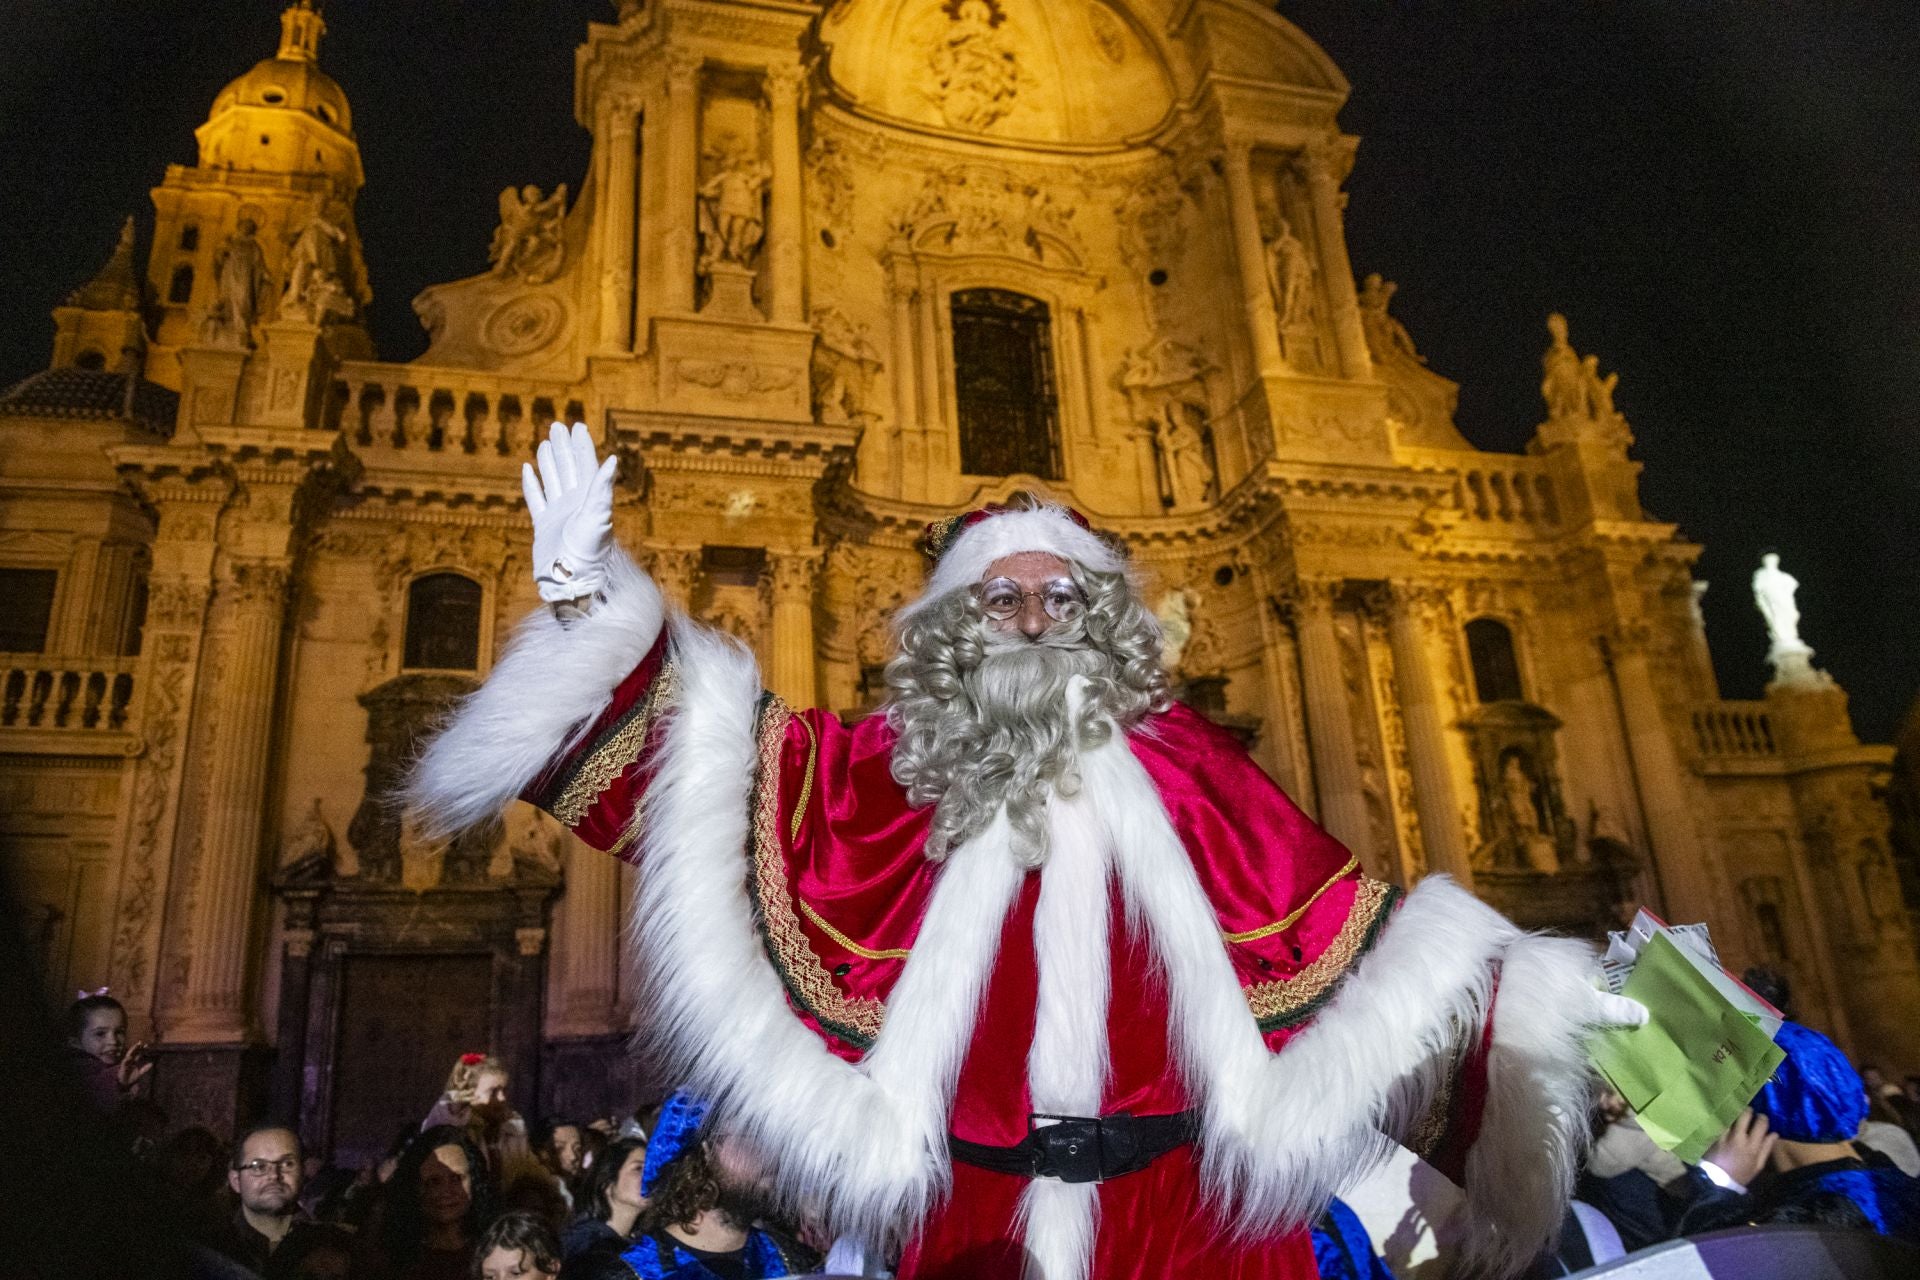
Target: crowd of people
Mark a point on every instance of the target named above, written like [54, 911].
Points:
[470, 1193]
[474, 1193]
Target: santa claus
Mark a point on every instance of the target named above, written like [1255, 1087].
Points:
[1035, 971]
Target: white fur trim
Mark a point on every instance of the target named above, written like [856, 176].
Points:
[543, 694]
[863, 1147]
[1045, 528]
[1068, 1062]
[1283, 1133]
[1533, 1130]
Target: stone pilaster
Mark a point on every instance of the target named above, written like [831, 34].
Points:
[586, 939]
[1336, 761]
[251, 603]
[677, 241]
[1434, 795]
[1331, 239]
[785, 223]
[1250, 254]
[1688, 877]
[675, 571]
[616, 224]
[792, 667]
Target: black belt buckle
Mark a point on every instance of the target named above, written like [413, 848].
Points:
[1069, 1147]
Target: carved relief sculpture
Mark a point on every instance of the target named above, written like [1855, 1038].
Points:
[973, 72]
[844, 364]
[529, 244]
[240, 285]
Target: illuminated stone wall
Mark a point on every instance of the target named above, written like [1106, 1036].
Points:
[763, 294]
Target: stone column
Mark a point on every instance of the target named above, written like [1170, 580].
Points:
[1251, 254]
[212, 1006]
[674, 571]
[792, 669]
[1687, 877]
[1331, 238]
[617, 208]
[682, 164]
[586, 928]
[785, 223]
[1336, 761]
[1433, 791]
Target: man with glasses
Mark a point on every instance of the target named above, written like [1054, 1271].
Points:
[1036, 971]
[264, 1176]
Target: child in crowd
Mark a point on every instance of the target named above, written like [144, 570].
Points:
[109, 1071]
[518, 1246]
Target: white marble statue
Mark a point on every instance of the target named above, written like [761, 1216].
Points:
[1773, 594]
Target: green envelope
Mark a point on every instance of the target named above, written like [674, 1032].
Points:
[1697, 1062]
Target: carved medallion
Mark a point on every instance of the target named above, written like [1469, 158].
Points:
[524, 325]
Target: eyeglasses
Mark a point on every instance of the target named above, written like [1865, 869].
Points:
[1002, 598]
[260, 1168]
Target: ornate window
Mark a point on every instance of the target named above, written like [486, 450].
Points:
[1004, 385]
[180, 288]
[443, 623]
[1496, 673]
[29, 609]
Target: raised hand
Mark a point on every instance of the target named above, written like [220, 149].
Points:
[571, 501]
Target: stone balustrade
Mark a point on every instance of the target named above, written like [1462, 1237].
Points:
[408, 407]
[1511, 491]
[1734, 731]
[47, 693]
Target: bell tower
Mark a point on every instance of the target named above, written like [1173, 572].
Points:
[277, 152]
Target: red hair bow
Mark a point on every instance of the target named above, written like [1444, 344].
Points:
[472, 1059]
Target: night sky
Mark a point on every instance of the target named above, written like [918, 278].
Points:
[1723, 196]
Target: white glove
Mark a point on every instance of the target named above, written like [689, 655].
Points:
[1609, 1010]
[571, 502]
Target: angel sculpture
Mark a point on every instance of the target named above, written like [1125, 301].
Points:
[528, 241]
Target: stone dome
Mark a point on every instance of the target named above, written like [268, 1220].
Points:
[1062, 72]
[289, 84]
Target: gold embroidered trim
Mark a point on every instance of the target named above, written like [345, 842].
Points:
[806, 793]
[1273, 1003]
[1428, 1134]
[632, 831]
[1268, 930]
[610, 759]
[846, 943]
[855, 1019]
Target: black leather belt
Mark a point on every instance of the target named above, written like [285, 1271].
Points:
[1081, 1149]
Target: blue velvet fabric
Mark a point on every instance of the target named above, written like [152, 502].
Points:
[1343, 1250]
[1886, 1197]
[1815, 1094]
[662, 1258]
[677, 1129]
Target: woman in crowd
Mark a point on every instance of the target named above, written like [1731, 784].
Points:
[435, 1206]
[610, 1203]
[475, 1099]
[109, 1071]
[517, 1247]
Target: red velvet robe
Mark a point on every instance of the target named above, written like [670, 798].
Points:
[840, 885]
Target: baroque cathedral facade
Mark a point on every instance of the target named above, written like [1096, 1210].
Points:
[835, 270]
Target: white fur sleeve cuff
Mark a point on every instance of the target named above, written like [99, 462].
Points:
[545, 691]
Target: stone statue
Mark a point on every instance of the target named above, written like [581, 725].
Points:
[1773, 594]
[240, 284]
[312, 845]
[1289, 273]
[1186, 471]
[732, 219]
[975, 73]
[529, 243]
[1386, 336]
[844, 364]
[1563, 381]
[316, 271]
[1176, 624]
[1599, 389]
[1531, 840]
